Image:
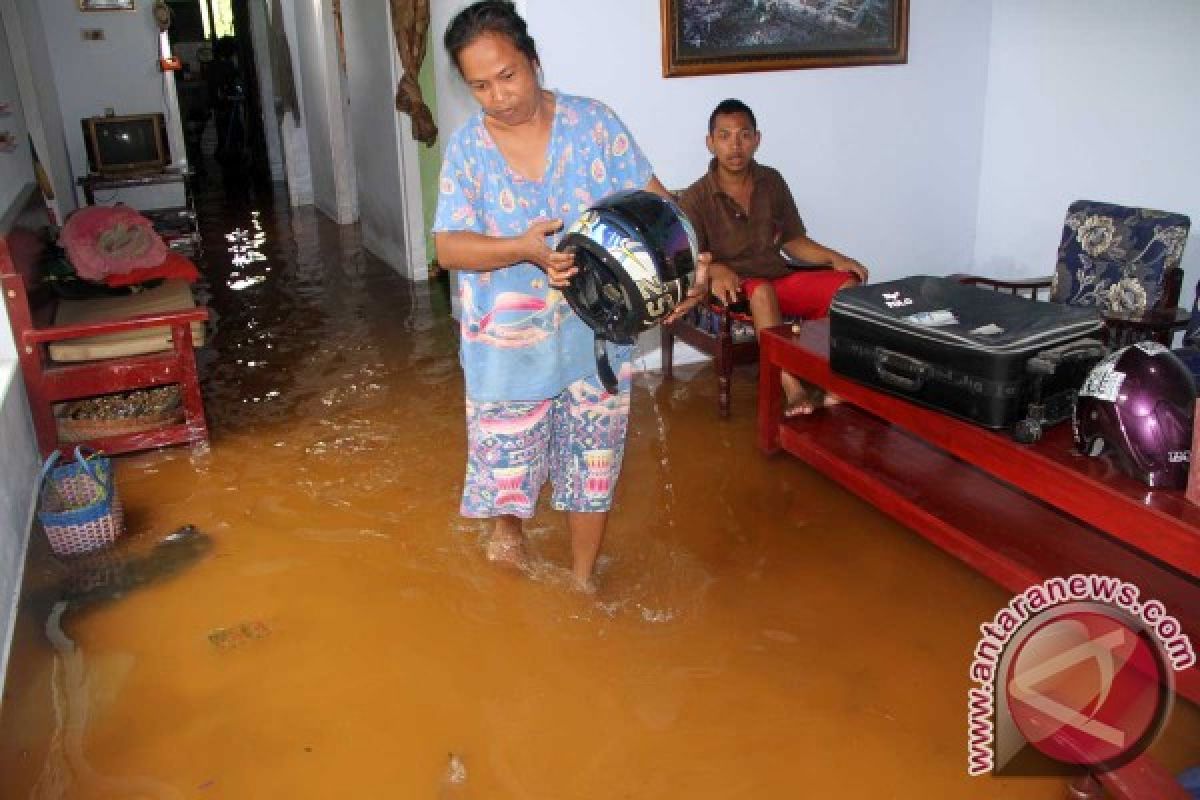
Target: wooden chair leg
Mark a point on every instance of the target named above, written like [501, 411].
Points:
[668, 350]
[723, 378]
[724, 364]
[189, 387]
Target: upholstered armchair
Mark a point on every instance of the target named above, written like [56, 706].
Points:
[1122, 260]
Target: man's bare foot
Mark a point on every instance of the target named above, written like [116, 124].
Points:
[809, 400]
[508, 550]
[799, 406]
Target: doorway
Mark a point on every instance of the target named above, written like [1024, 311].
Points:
[220, 95]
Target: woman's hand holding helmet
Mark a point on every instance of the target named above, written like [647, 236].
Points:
[559, 267]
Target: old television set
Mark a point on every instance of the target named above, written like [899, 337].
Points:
[128, 144]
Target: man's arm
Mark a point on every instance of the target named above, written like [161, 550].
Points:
[802, 248]
[723, 281]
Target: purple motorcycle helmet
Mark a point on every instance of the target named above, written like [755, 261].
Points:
[1139, 402]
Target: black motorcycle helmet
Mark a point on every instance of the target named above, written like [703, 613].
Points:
[637, 254]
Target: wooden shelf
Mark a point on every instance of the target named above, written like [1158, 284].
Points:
[1002, 532]
[1159, 523]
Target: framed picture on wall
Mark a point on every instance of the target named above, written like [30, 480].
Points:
[709, 37]
[106, 5]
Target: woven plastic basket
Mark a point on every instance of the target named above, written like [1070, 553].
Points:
[79, 508]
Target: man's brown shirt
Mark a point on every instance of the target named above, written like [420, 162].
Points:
[748, 243]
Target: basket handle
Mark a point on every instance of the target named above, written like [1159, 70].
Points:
[51, 460]
[85, 461]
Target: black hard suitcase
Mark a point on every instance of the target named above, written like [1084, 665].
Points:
[990, 358]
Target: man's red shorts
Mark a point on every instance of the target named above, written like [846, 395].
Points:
[805, 293]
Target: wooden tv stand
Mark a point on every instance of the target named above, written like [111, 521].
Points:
[96, 181]
[1017, 513]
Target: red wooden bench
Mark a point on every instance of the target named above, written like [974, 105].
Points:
[1018, 514]
[165, 343]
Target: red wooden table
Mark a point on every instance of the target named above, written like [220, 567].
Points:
[1017, 513]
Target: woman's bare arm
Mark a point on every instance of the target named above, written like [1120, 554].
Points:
[477, 252]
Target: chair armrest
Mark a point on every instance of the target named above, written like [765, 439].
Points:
[1160, 320]
[739, 306]
[58, 333]
[797, 264]
[1040, 282]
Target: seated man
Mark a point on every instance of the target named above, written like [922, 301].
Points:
[744, 215]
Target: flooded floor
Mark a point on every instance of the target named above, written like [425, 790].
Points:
[331, 628]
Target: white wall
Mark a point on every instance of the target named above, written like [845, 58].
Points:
[330, 151]
[121, 72]
[385, 156]
[883, 161]
[454, 102]
[1094, 101]
[18, 476]
[260, 33]
[292, 131]
[16, 168]
[32, 60]
[18, 453]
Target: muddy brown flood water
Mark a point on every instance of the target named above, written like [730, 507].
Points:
[332, 629]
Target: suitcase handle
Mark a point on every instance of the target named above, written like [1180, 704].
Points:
[1045, 362]
[891, 368]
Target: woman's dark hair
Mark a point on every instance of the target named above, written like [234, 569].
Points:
[731, 106]
[488, 16]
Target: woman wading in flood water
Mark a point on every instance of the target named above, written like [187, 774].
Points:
[523, 167]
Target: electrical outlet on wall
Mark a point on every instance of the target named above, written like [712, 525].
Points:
[92, 34]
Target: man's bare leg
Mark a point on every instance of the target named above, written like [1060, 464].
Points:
[507, 542]
[587, 534]
[764, 310]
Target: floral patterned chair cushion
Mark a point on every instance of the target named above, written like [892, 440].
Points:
[1117, 257]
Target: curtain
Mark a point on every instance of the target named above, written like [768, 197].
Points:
[410, 24]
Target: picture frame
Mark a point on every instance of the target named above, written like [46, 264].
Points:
[713, 37]
[106, 5]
